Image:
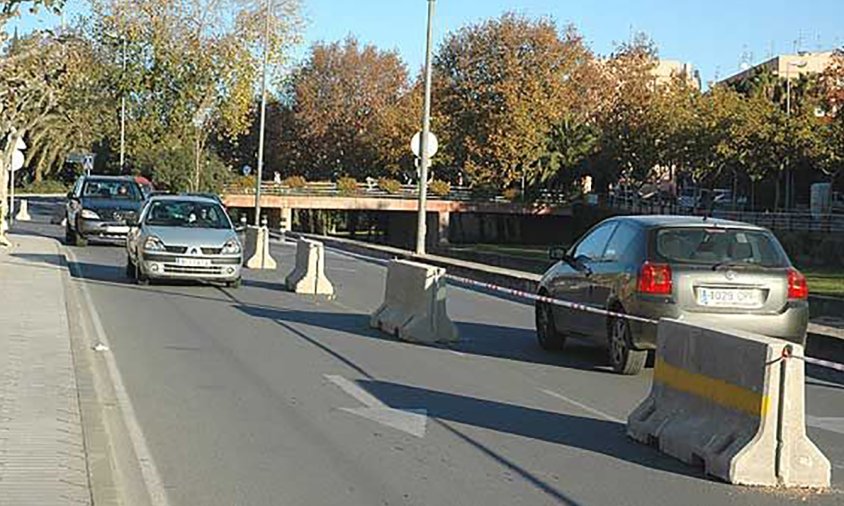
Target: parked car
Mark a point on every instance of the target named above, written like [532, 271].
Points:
[184, 237]
[717, 272]
[100, 207]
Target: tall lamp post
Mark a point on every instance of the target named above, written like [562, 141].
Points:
[421, 226]
[260, 174]
[123, 112]
[789, 190]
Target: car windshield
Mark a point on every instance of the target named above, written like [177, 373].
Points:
[188, 214]
[111, 189]
[720, 246]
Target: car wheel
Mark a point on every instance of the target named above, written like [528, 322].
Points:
[234, 284]
[130, 267]
[623, 358]
[546, 331]
[140, 276]
[69, 239]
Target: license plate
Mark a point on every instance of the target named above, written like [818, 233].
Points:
[110, 229]
[194, 262]
[729, 297]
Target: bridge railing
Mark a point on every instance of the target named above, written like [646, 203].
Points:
[331, 189]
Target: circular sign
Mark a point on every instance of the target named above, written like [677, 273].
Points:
[17, 161]
[246, 170]
[416, 144]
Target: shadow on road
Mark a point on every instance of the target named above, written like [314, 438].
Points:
[598, 436]
[53, 260]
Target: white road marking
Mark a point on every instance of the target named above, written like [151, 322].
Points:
[410, 421]
[833, 424]
[149, 471]
[584, 407]
[341, 269]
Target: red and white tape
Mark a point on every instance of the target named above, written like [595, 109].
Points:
[549, 300]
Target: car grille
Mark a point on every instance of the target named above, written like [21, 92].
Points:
[183, 269]
[212, 251]
[116, 215]
[176, 249]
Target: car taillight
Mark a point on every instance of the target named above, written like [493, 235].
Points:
[797, 286]
[655, 279]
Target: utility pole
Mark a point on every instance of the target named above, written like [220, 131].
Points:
[260, 173]
[123, 111]
[421, 226]
[789, 189]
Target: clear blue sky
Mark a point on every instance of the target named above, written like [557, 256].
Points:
[712, 35]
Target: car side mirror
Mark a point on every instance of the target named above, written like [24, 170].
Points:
[558, 254]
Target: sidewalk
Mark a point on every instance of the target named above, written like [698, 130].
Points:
[42, 455]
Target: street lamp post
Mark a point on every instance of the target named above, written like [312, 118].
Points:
[421, 226]
[123, 112]
[788, 179]
[260, 173]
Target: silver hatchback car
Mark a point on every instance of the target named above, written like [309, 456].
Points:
[183, 237]
[717, 272]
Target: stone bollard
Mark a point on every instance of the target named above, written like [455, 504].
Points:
[257, 249]
[23, 211]
[414, 304]
[308, 276]
[733, 402]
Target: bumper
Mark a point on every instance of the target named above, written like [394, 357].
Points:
[218, 268]
[103, 229]
[789, 324]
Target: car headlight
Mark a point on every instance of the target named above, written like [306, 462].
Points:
[88, 214]
[232, 247]
[154, 244]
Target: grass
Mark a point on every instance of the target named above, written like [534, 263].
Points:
[510, 250]
[825, 282]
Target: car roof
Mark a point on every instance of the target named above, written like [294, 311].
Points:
[657, 221]
[104, 177]
[183, 198]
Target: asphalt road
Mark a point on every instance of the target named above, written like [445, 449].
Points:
[248, 397]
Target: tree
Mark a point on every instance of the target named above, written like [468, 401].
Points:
[191, 73]
[349, 107]
[500, 88]
[33, 75]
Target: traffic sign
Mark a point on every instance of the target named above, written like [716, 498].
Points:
[416, 144]
[246, 170]
[17, 161]
[88, 163]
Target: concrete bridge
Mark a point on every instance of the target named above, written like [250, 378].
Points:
[278, 204]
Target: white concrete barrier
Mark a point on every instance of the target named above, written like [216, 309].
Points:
[23, 211]
[308, 276]
[257, 249]
[414, 304]
[729, 401]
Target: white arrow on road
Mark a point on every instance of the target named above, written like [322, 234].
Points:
[410, 421]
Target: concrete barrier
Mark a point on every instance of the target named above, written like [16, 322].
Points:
[257, 249]
[729, 400]
[308, 276]
[23, 211]
[414, 304]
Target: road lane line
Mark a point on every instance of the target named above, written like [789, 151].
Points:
[833, 424]
[584, 407]
[149, 471]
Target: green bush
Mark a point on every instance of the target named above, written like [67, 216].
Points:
[439, 188]
[389, 185]
[45, 186]
[511, 194]
[245, 184]
[295, 182]
[347, 186]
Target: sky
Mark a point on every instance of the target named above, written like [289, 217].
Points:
[715, 36]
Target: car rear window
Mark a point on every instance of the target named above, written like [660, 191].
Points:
[714, 246]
